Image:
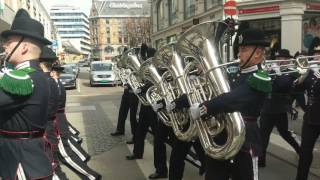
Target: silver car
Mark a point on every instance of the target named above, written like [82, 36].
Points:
[101, 73]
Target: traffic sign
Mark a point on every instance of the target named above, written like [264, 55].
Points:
[230, 7]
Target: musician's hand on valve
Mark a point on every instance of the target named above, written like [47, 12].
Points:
[203, 112]
[170, 107]
[157, 106]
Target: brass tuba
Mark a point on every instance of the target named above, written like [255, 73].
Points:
[131, 61]
[154, 94]
[204, 43]
[183, 128]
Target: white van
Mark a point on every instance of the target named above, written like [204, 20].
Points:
[101, 72]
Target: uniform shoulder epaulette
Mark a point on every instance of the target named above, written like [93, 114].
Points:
[260, 81]
[17, 82]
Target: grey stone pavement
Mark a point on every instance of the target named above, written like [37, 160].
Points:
[94, 111]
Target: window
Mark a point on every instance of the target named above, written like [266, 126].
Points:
[212, 3]
[125, 39]
[101, 67]
[161, 15]
[108, 30]
[108, 40]
[109, 49]
[189, 8]
[107, 21]
[173, 11]
[172, 38]
[120, 40]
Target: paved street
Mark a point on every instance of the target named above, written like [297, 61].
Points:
[94, 111]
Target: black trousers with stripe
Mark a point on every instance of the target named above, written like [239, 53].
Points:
[243, 167]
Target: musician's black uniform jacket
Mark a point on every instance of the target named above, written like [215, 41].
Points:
[312, 85]
[246, 100]
[280, 100]
[51, 131]
[25, 114]
[311, 124]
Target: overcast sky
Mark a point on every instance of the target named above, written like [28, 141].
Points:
[84, 5]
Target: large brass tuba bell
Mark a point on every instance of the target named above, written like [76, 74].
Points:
[204, 42]
[183, 128]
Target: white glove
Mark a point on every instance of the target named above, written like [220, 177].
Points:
[276, 68]
[170, 107]
[137, 91]
[157, 106]
[195, 111]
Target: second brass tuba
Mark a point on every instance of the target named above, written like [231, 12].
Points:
[183, 128]
[154, 94]
[131, 60]
[204, 43]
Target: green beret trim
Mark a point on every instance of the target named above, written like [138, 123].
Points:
[17, 82]
[260, 81]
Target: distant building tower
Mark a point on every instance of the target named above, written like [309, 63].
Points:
[115, 24]
[73, 27]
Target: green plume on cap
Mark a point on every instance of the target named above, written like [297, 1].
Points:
[260, 81]
[17, 82]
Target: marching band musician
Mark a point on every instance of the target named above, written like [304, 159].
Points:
[47, 59]
[311, 124]
[247, 96]
[277, 105]
[147, 117]
[24, 97]
[65, 148]
[128, 101]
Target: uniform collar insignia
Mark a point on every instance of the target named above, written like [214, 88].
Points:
[23, 65]
[250, 69]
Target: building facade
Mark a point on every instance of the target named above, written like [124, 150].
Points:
[280, 19]
[72, 25]
[35, 9]
[115, 24]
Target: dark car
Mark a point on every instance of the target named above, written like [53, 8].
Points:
[68, 78]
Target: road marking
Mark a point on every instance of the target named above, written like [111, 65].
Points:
[72, 104]
[81, 108]
[85, 95]
[78, 84]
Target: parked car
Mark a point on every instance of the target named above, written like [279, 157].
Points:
[82, 63]
[68, 78]
[75, 68]
[102, 73]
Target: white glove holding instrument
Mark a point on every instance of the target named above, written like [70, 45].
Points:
[157, 106]
[170, 107]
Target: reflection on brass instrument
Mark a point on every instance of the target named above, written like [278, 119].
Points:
[182, 126]
[311, 59]
[298, 65]
[154, 94]
[204, 42]
[119, 70]
[132, 62]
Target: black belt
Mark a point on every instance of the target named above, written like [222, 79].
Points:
[21, 134]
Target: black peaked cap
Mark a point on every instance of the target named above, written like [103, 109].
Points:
[47, 55]
[24, 25]
[252, 37]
